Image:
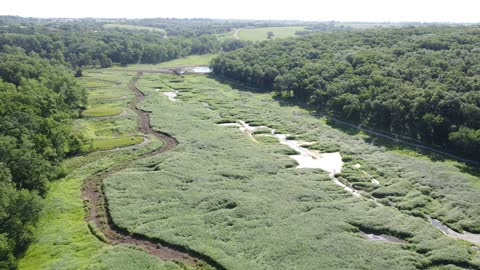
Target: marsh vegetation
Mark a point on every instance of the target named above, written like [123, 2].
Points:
[258, 165]
[214, 192]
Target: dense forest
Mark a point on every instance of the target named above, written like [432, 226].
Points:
[38, 100]
[421, 82]
[87, 43]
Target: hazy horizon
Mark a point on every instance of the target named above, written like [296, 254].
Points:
[428, 11]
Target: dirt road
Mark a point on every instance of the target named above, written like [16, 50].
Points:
[402, 140]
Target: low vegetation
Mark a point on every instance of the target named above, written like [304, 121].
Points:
[213, 192]
[62, 239]
[237, 200]
[260, 34]
[134, 27]
[108, 122]
[192, 60]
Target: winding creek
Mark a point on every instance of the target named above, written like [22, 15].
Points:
[383, 238]
[98, 214]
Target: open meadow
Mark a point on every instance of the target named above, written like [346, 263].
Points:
[193, 60]
[260, 34]
[134, 27]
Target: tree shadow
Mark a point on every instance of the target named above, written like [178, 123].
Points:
[376, 140]
[472, 170]
[345, 129]
[236, 84]
[393, 146]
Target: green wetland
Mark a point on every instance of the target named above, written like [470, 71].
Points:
[202, 144]
[246, 205]
[239, 198]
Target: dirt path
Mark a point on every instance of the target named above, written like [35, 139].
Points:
[99, 215]
[235, 35]
[403, 141]
[129, 147]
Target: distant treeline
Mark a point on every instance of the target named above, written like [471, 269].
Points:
[86, 43]
[197, 27]
[420, 82]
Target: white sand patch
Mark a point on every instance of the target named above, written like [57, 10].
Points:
[202, 69]
[467, 236]
[329, 162]
[306, 158]
[245, 128]
[372, 180]
[249, 130]
[353, 191]
[382, 237]
[229, 124]
[171, 95]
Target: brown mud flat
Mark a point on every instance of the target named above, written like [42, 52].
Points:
[97, 204]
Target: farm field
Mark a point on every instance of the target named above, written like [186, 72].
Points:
[244, 204]
[260, 34]
[134, 27]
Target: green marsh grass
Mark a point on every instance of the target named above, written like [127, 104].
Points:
[62, 237]
[192, 60]
[245, 205]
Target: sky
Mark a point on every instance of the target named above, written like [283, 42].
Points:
[307, 10]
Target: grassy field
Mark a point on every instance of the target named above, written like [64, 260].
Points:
[192, 60]
[62, 239]
[134, 27]
[245, 205]
[108, 95]
[260, 34]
